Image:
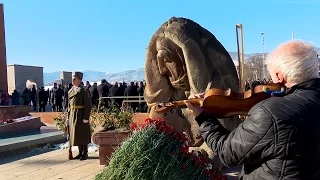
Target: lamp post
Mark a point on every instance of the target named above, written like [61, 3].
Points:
[263, 57]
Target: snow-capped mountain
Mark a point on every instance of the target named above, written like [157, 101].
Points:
[127, 76]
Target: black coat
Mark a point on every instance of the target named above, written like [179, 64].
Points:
[42, 97]
[280, 139]
[131, 91]
[65, 97]
[103, 90]
[57, 96]
[94, 93]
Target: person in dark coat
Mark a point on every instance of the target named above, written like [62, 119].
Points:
[26, 97]
[94, 94]
[65, 96]
[142, 106]
[116, 91]
[78, 116]
[132, 91]
[42, 99]
[15, 98]
[58, 98]
[280, 138]
[33, 95]
[88, 85]
[52, 96]
[103, 90]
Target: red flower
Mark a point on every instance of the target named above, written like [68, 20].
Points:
[184, 149]
[148, 121]
[133, 126]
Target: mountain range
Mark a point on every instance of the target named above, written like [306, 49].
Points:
[127, 76]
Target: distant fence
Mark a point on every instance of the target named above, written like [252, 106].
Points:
[127, 99]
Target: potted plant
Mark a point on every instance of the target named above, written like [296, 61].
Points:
[113, 127]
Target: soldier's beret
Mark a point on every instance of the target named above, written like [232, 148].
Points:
[77, 74]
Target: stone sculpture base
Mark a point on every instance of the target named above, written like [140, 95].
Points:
[23, 124]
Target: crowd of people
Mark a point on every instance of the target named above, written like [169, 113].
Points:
[57, 96]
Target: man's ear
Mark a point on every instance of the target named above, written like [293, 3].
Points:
[280, 77]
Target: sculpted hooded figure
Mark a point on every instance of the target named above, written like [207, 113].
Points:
[182, 59]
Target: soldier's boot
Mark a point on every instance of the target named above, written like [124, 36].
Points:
[85, 153]
[80, 152]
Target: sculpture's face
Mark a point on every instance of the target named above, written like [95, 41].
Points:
[171, 64]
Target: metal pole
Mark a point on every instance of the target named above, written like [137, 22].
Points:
[242, 60]
[263, 58]
[239, 58]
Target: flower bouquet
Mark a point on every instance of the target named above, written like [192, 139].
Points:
[156, 151]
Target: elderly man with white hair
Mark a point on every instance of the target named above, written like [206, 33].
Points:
[280, 138]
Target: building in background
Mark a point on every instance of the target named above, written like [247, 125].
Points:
[66, 77]
[21, 76]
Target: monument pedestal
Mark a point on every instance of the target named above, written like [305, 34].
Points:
[13, 112]
[19, 125]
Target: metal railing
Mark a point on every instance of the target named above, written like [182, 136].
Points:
[134, 99]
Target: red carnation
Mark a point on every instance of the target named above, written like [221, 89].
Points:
[133, 126]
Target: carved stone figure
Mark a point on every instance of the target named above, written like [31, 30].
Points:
[184, 58]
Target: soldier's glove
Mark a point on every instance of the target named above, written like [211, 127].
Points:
[85, 121]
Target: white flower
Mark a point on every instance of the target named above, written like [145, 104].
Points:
[209, 167]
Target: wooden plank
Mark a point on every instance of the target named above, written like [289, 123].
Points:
[32, 159]
[80, 172]
[35, 166]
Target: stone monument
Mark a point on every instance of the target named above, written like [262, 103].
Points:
[66, 77]
[20, 76]
[3, 58]
[183, 58]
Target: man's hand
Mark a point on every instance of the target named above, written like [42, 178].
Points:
[195, 110]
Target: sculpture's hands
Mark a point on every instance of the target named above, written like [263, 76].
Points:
[195, 110]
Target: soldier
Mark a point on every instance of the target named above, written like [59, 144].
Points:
[78, 116]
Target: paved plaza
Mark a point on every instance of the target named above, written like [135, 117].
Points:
[48, 164]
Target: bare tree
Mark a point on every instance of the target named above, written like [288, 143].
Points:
[253, 68]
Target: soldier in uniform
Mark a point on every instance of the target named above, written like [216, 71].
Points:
[78, 116]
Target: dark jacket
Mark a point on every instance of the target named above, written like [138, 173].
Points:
[280, 139]
[42, 97]
[103, 90]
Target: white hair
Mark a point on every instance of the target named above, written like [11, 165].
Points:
[296, 60]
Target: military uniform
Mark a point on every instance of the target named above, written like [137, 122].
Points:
[79, 109]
